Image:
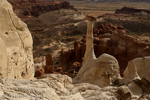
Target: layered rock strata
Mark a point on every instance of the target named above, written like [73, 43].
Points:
[27, 8]
[15, 45]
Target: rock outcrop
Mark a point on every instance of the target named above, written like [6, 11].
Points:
[129, 10]
[3, 58]
[108, 39]
[102, 71]
[27, 8]
[15, 45]
[137, 68]
[60, 87]
[49, 68]
[49, 64]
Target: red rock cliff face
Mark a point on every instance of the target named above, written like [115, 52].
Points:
[27, 8]
[107, 39]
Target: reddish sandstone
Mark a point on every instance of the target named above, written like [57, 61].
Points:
[59, 70]
[39, 73]
[27, 8]
[49, 64]
[111, 40]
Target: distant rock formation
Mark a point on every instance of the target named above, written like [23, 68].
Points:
[16, 58]
[108, 39]
[129, 10]
[27, 8]
[147, 1]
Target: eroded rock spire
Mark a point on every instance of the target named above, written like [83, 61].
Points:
[89, 53]
[101, 71]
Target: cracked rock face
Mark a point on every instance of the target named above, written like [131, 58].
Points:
[15, 45]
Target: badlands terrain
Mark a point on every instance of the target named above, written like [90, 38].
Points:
[52, 50]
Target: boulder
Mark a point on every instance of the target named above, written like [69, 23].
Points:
[59, 70]
[39, 73]
[16, 45]
[138, 68]
[76, 66]
[102, 71]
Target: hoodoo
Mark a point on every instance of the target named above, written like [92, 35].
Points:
[101, 71]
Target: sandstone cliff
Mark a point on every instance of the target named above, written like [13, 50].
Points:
[28, 8]
[15, 46]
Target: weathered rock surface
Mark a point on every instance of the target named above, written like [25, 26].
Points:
[3, 57]
[27, 8]
[108, 39]
[49, 87]
[60, 87]
[102, 71]
[138, 68]
[15, 45]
